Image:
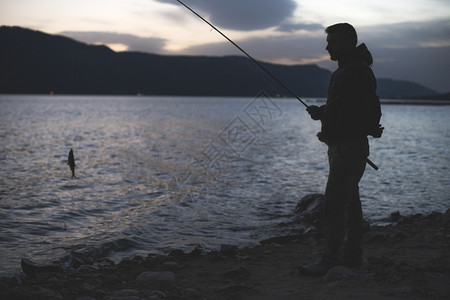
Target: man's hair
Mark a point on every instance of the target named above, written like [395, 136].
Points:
[345, 30]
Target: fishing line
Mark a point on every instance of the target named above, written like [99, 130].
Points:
[259, 64]
[248, 55]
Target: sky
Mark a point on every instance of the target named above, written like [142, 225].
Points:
[409, 39]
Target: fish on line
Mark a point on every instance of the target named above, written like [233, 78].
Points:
[71, 163]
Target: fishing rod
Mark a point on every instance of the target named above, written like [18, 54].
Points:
[258, 64]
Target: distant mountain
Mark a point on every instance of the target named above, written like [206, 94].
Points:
[36, 62]
[403, 89]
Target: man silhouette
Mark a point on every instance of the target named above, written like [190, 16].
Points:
[351, 113]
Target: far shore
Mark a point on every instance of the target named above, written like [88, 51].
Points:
[439, 100]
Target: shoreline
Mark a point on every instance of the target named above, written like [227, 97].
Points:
[406, 259]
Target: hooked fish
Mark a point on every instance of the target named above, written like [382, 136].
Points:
[71, 162]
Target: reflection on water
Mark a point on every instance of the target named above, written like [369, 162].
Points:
[155, 173]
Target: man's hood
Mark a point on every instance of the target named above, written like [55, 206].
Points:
[362, 53]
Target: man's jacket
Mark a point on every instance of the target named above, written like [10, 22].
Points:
[352, 109]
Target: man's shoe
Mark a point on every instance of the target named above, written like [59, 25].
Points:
[318, 268]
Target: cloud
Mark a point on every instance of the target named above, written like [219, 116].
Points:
[418, 52]
[293, 48]
[292, 27]
[243, 15]
[131, 42]
[410, 34]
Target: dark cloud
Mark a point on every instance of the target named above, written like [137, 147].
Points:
[134, 43]
[242, 15]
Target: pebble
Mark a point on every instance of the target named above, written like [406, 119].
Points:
[446, 218]
[157, 280]
[400, 235]
[154, 294]
[48, 294]
[171, 265]
[125, 298]
[228, 250]
[237, 273]
[87, 287]
[86, 268]
[340, 273]
[125, 293]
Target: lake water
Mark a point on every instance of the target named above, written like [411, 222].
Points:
[157, 173]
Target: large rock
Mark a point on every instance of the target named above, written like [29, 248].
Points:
[32, 268]
[310, 208]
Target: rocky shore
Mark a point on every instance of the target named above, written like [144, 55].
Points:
[408, 259]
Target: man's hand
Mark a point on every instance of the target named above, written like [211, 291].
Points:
[376, 132]
[315, 112]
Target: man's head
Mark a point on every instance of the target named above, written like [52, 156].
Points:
[341, 40]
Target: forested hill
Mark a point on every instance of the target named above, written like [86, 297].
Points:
[36, 62]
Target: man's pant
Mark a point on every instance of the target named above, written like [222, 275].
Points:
[342, 207]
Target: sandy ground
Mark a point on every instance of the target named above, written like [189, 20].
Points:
[409, 259]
